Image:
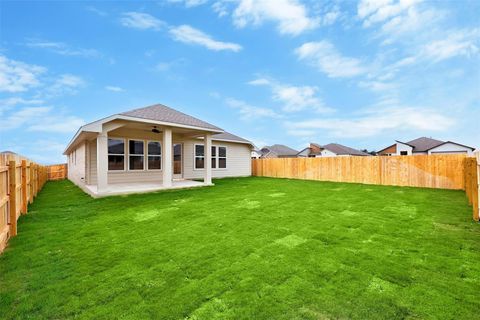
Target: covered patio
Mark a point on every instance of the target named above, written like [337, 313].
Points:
[141, 187]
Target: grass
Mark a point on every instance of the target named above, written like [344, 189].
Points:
[250, 248]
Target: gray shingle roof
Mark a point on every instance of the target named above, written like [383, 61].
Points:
[343, 150]
[280, 150]
[229, 136]
[423, 144]
[159, 112]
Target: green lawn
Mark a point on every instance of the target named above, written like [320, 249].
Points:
[250, 248]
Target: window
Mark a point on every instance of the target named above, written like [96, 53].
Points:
[222, 157]
[154, 155]
[219, 157]
[116, 154]
[403, 153]
[135, 155]
[214, 157]
[199, 156]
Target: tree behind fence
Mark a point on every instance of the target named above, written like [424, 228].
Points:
[431, 171]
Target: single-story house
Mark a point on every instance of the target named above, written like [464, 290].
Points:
[330, 150]
[278, 151]
[424, 145]
[153, 148]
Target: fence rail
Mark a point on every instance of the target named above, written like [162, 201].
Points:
[431, 171]
[20, 181]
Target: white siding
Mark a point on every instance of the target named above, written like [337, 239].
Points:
[403, 147]
[76, 165]
[92, 146]
[327, 153]
[450, 148]
[239, 163]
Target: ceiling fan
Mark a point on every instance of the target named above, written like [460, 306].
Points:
[155, 130]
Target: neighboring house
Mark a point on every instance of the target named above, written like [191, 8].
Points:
[152, 148]
[330, 150]
[256, 154]
[278, 151]
[425, 145]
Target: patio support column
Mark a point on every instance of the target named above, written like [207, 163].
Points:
[102, 162]
[208, 159]
[167, 160]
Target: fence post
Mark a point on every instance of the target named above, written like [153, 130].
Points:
[476, 210]
[24, 187]
[35, 178]
[30, 172]
[12, 182]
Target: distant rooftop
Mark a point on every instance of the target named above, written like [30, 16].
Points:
[281, 150]
[343, 150]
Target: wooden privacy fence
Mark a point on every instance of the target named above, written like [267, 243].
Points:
[431, 171]
[20, 181]
[57, 171]
[472, 183]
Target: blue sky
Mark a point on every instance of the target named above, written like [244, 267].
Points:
[282, 71]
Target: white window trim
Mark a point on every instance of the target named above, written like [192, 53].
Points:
[135, 155]
[216, 157]
[118, 154]
[154, 155]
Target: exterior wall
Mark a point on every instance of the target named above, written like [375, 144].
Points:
[239, 163]
[327, 153]
[76, 165]
[450, 148]
[403, 147]
[255, 155]
[92, 167]
[238, 159]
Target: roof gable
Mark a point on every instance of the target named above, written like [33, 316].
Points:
[160, 112]
[423, 144]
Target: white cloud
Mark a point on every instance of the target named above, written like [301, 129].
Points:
[59, 124]
[457, 43]
[249, 112]
[403, 19]
[44, 119]
[142, 21]
[324, 56]
[62, 48]
[113, 88]
[23, 116]
[96, 11]
[375, 11]
[190, 35]
[294, 98]
[189, 3]
[290, 15]
[16, 76]
[220, 8]
[64, 84]
[13, 101]
[378, 121]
